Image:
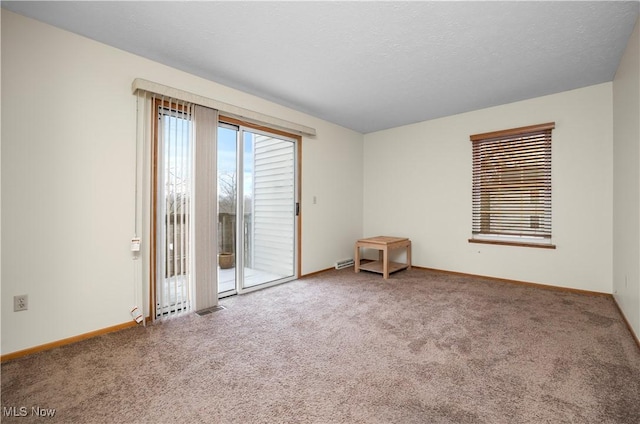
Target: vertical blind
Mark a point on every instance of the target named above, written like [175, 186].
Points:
[185, 193]
[174, 152]
[512, 182]
[176, 187]
[205, 207]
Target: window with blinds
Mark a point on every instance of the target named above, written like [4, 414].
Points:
[512, 186]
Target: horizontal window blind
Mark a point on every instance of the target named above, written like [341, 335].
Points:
[512, 183]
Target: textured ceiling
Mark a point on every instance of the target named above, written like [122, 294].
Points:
[367, 65]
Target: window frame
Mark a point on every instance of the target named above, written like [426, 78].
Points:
[481, 149]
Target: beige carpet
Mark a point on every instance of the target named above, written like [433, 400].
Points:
[422, 347]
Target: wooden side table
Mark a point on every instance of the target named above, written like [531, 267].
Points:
[384, 245]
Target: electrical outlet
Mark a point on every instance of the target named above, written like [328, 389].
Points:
[20, 303]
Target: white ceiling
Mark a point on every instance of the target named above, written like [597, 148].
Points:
[367, 65]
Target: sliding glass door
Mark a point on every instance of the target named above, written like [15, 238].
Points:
[257, 209]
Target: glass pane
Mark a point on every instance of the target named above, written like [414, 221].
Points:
[269, 205]
[227, 195]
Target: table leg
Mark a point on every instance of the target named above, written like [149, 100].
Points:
[385, 263]
[356, 261]
[409, 255]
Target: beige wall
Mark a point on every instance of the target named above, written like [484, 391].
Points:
[626, 171]
[68, 163]
[417, 184]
